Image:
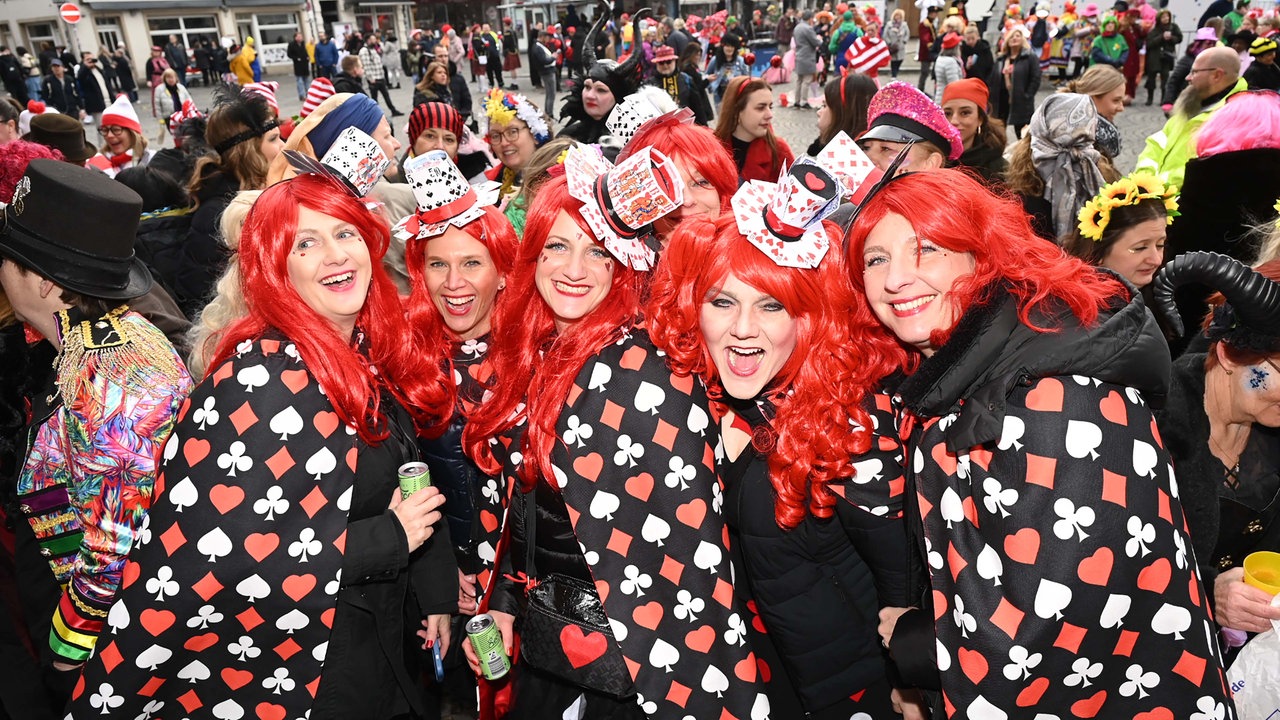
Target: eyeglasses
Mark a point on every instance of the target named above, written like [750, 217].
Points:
[510, 135]
[1193, 71]
[111, 130]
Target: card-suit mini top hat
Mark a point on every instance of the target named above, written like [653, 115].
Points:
[621, 202]
[637, 109]
[444, 197]
[355, 159]
[75, 227]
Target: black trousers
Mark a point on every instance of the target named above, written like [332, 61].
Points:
[380, 86]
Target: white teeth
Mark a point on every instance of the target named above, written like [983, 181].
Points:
[912, 305]
[335, 279]
[746, 352]
[570, 289]
[458, 302]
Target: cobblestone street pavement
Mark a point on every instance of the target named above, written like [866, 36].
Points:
[797, 126]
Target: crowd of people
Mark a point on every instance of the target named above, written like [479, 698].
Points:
[947, 416]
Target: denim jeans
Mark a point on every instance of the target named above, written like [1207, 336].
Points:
[33, 88]
[303, 83]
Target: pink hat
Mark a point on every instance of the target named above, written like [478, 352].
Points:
[1207, 33]
[321, 89]
[267, 90]
[1090, 10]
[900, 113]
[121, 114]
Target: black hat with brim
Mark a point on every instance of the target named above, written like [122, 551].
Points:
[62, 133]
[77, 228]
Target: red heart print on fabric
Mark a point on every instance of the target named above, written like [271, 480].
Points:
[582, 649]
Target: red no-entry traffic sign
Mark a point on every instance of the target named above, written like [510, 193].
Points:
[69, 12]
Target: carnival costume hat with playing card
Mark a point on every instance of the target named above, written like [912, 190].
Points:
[784, 219]
[355, 160]
[638, 108]
[620, 203]
[444, 197]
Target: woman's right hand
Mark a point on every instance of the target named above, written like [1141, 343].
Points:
[417, 514]
[888, 621]
[506, 626]
[1241, 606]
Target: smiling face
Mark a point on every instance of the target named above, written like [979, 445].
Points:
[756, 117]
[1110, 104]
[329, 266]
[462, 281]
[749, 335]
[117, 139]
[436, 139]
[1136, 255]
[597, 99]
[513, 154]
[963, 116]
[574, 272]
[908, 281]
[700, 198]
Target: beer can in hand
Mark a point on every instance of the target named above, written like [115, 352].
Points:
[486, 640]
[413, 477]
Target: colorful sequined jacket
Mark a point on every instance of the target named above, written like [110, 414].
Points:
[86, 485]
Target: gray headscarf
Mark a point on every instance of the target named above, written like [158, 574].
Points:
[1063, 130]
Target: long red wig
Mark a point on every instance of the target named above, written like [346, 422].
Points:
[265, 243]
[536, 365]
[494, 231]
[1006, 252]
[818, 392]
[696, 145]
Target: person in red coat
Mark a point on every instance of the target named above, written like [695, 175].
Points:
[1132, 32]
[746, 130]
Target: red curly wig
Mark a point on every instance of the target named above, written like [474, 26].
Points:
[14, 160]
[819, 391]
[494, 231]
[1006, 251]
[535, 364]
[421, 385]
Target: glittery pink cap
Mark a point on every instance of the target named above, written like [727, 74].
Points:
[900, 105]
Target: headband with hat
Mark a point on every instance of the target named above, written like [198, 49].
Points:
[267, 91]
[321, 89]
[121, 114]
[42, 228]
[621, 202]
[900, 113]
[636, 109]
[971, 89]
[246, 109]
[444, 197]
[784, 219]
[434, 115]
[356, 160]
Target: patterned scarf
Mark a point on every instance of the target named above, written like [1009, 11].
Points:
[1062, 136]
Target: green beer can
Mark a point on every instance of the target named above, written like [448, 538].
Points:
[486, 640]
[413, 477]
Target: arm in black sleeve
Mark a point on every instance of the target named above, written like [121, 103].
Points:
[433, 571]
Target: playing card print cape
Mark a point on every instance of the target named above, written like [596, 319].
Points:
[1062, 579]
[636, 469]
[229, 596]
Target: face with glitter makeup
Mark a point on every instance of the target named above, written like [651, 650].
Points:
[1256, 391]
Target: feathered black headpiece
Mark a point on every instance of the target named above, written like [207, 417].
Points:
[240, 108]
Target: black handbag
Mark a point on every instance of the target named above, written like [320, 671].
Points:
[564, 630]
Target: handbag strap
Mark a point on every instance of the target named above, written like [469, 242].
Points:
[530, 531]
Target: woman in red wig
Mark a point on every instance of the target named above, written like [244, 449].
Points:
[619, 507]
[813, 493]
[706, 167]
[459, 261]
[1053, 566]
[281, 563]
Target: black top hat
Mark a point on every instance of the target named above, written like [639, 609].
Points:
[62, 133]
[75, 227]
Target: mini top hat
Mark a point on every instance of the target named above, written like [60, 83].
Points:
[121, 114]
[784, 219]
[900, 113]
[62, 133]
[44, 229]
[355, 159]
[621, 202]
[444, 197]
[635, 110]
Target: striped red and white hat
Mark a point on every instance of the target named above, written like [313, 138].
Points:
[267, 90]
[321, 89]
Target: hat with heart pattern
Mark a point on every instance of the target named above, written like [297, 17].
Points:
[444, 197]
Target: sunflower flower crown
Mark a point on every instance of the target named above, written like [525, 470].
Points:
[1276, 207]
[503, 107]
[1129, 190]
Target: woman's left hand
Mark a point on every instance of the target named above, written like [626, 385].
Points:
[437, 628]
[888, 621]
[1242, 606]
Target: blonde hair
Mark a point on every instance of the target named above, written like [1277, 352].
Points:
[1021, 177]
[228, 304]
[898, 14]
[167, 73]
[1097, 80]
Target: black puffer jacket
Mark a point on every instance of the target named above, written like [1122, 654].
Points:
[159, 243]
[813, 585]
[204, 253]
